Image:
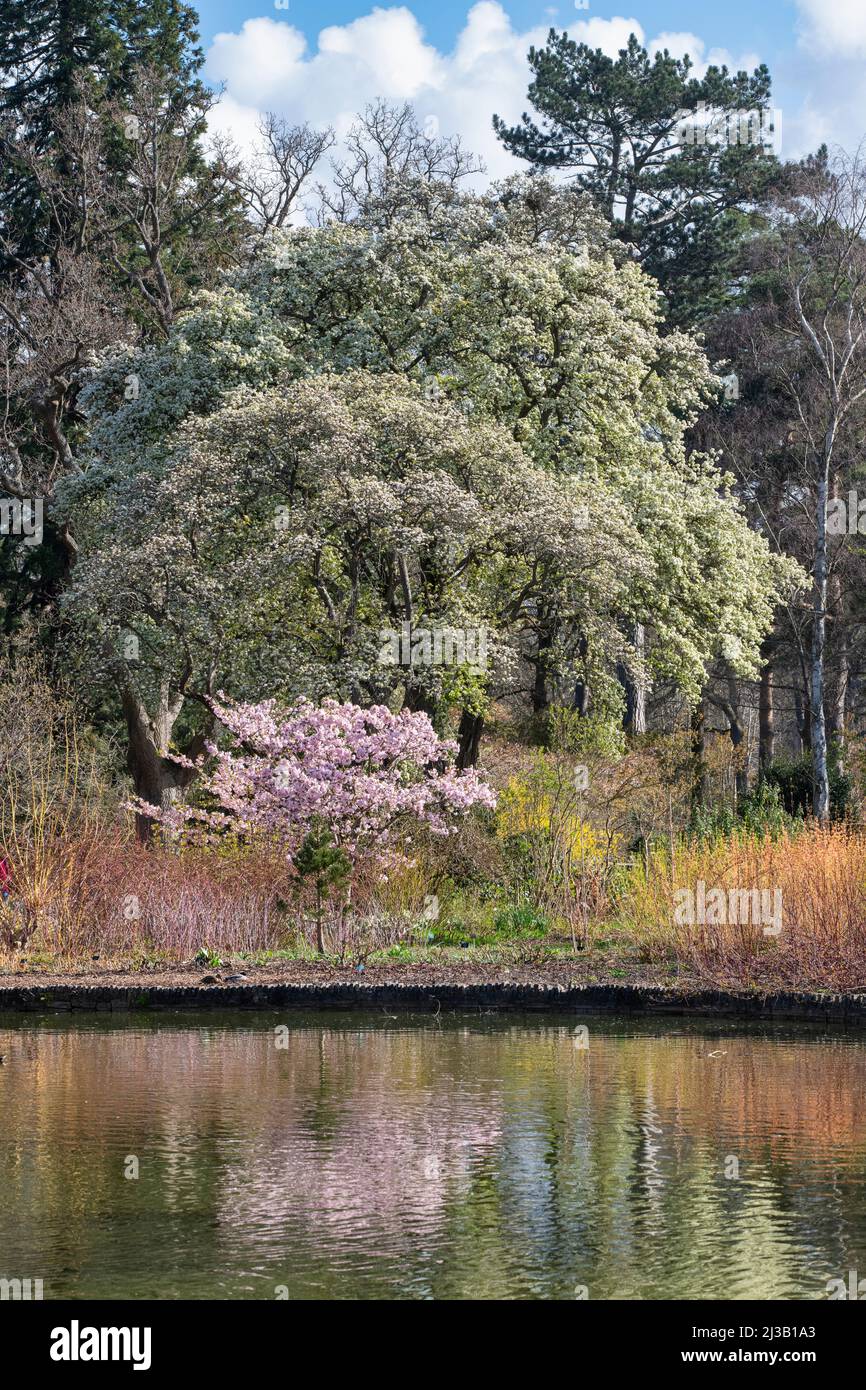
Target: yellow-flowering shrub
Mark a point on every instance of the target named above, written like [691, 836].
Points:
[562, 861]
[522, 810]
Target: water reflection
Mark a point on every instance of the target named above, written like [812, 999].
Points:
[477, 1158]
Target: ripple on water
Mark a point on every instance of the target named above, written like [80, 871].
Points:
[482, 1158]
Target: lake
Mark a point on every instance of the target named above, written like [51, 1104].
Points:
[340, 1156]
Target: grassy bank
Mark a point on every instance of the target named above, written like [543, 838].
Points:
[596, 862]
[107, 903]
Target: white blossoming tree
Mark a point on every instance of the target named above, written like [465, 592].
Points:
[465, 417]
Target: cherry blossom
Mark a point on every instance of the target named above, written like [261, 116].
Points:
[365, 774]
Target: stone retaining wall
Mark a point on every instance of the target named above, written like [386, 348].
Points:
[426, 999]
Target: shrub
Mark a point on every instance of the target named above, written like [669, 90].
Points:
[560, 863]
[760, 812]
[520, 921]
[795, 780]
[339, 789]
[54, 814]
[821, 875]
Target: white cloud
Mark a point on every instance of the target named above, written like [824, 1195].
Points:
[833, 26]
[681, 43]
[255, 63]
[830, 105]
[822, 83]
[385, 48]
[610, 35]
[678, 45]
[268, 66]
[240, 123]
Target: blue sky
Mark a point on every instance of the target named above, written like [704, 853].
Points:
[458, 61]
[750, 23]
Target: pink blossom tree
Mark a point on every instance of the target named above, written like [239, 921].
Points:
[334, 776]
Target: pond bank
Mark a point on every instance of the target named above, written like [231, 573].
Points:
[418, 990]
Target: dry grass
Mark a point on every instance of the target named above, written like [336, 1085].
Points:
[82, 887]
[821, 875]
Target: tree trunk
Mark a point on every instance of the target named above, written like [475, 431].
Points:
[801, 716]
[469, 738]
[738, 734]
[581, 687]
[421, 701]
[699, 766]
[156, 779]
[766, 718]
[540, 698]
[837, 707]
[821, 798]
[634, 687]
[838, 702]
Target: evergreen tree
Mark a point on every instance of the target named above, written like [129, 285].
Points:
[677, 163]
[52, 50]
[110, 217]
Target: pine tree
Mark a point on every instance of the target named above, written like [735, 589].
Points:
[103, 236]
[634, 131]
[49, 51]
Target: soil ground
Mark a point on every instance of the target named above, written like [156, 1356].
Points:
[562, 972]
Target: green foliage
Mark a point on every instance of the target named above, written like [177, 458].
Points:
[761, 812]
[313, 488]
[470, 920]
[795, 780]
[48, 48]
[520, 922]
[329, 868]
[618, 124]
[321, 860]
[205, 956]
[464, 688]
[568, 731]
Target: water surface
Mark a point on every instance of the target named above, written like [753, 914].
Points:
[472, 1157]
